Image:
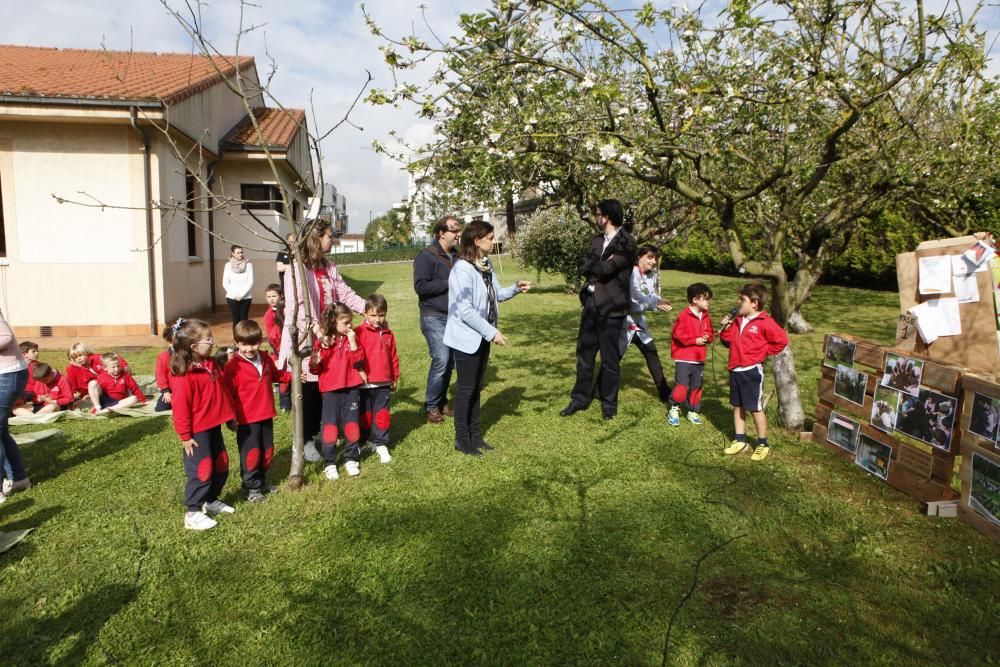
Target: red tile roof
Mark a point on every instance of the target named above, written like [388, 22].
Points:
[111, 75]
[277, 126]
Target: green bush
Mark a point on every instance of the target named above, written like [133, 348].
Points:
[398, 254]
[553, 241]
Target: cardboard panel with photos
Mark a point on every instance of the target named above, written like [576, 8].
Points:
[892, 412]
[980, 424]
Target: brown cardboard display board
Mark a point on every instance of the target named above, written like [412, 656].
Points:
[967, 511]
[976, 348]
[972, 384]
[923, 472]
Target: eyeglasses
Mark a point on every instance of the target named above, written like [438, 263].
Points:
[454, 231]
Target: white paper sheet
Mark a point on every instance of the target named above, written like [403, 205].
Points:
[960, 266]
[934, 274]
[938, 317]
[966, 288]
[980, 253]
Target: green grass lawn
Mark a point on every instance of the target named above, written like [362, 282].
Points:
[573, 543]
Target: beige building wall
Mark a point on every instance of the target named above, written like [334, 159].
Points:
[241, 229]
[209, 115]
[68, 264]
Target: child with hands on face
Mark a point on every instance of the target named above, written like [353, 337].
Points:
[200, 407]
[339, 362]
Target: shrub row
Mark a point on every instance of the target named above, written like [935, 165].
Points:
[382, 255]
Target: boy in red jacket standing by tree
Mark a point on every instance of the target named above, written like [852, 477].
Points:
[247, 378]
[691, 335]
[752, 337]
[382, 370]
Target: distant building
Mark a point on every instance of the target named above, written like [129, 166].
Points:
[349, 243]
[333, 209]
[125, 129]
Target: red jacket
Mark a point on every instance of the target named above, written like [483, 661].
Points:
[687, 327]
[760, 338]
[79, 377]
[119, 387]
[58, 389]
[250, 391]
[338, 365]
[379, 345]
[273, 331]
[163, 370]
[199, 400]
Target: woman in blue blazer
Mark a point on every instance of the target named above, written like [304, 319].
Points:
[473, 295]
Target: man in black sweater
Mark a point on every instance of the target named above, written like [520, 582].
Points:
[430, 280]
[607, 267]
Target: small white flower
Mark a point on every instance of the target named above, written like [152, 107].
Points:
[627, 158]
[589, 144]
[680, 92]
[494, 137]
[588, 81]
[707, 110]
[608, 152]
[688, 33]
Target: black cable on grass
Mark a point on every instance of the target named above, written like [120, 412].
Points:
[732, 478]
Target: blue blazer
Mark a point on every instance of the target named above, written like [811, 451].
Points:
[467, 326]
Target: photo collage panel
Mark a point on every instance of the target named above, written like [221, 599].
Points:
[902, 405]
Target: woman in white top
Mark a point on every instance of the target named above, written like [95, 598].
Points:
[237, 280]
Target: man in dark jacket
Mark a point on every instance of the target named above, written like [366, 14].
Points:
[607, 267]
[430, 280]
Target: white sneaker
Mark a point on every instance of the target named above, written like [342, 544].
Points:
[353, 468]
[10, 487]
[383, 454]
[3, 498]
[311, 453]
[199, 521]
[219, 507]
[331, 472]
[5, 488]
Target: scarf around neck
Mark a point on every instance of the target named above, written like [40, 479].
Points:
[485, 269]
[238, 266]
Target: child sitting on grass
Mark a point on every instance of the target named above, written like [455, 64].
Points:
[382, 370]
[688, 343]
[162, 372]
[247, 378]
[752, 337]
[114, 387]
[50, 392]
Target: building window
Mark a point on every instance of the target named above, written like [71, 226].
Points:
[261, 197]
[3, 226]
[192, 228]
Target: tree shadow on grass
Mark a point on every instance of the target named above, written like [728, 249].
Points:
[68, 636]
[48, 459]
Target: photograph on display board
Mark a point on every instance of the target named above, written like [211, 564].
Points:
[984, 496]
[929, 417]
[850, 385]
[843, 432]
[985, 416]
[839, 352]
[873, 456]
[903, 373]
[884, 408]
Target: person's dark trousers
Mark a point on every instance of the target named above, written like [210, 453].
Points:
[239, 310]
[11, 388]
[442, 361]
[285, 396]
[256, 443]
[598, 334]
[341, 413]
[207, 469]
[161, 405]
[375, 415]
[312, 410]
[652, 358]
[471, 370]
[687, 392]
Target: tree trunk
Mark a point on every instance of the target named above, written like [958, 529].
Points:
[798, 324]
[511, 223]
[298, 444]
[786, 384]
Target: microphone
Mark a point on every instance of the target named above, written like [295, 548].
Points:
[732, 317]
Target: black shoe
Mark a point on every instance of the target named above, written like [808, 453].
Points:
[608, 414]
[484, 446]
[468, 449]
[570, 409]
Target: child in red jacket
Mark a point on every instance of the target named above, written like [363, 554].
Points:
[50, 392]
[29, 351]
[162, 371]
[339, 362]
[84, 365]
[688, 342]
[200, 407]
[114, 387]
[752, 337]
[382, 369]
[247, 378]
[274, 321]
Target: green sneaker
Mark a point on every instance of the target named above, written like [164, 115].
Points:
[736, 447]
[694, 418]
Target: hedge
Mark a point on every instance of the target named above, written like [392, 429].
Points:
[404, 253]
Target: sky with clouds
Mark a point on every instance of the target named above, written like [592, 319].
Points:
[319, 46]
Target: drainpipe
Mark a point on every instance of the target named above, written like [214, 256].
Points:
[148, 184]
[211, 232]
